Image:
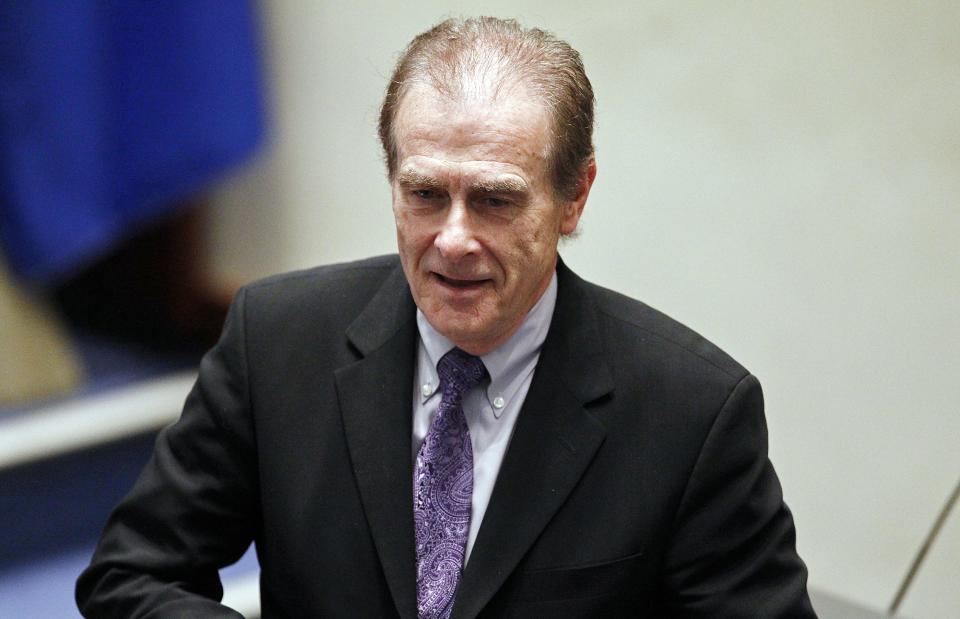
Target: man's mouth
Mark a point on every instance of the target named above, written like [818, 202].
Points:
[454, 282]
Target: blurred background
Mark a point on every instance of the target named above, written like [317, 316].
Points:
[782, 177]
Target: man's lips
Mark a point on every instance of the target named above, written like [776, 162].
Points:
[454, 282]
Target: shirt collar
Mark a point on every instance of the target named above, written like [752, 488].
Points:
[508, 364]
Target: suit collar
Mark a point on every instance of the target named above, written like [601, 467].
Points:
[574, 345]
[390, 309]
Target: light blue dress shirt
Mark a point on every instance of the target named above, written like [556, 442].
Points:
[491, 408]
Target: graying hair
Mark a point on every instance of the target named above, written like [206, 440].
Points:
[454, 50]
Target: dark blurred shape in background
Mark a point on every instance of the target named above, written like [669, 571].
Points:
[115, 117]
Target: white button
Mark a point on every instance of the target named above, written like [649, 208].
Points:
[498, 402]
[426, 389]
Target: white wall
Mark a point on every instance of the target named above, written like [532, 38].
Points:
[782, 177]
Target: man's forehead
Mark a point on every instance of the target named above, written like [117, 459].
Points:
[485, 110]
[496, 137]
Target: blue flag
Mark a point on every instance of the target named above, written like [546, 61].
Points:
[111, 112]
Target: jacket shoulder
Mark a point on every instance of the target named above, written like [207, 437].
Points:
[627, 320]
[334, 287]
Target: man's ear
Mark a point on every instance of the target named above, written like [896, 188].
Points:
[573, 209]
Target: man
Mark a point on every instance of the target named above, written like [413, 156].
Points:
[475, 431]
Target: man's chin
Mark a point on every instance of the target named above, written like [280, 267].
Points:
[465, 329]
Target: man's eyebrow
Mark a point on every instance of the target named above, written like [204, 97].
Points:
[499, 185]
[412, 178]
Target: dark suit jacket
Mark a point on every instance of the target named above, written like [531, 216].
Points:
[636, 484]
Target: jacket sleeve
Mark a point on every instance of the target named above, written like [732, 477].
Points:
[733, 551]
[193, 509]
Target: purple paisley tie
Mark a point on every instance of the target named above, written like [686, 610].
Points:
[443, 489]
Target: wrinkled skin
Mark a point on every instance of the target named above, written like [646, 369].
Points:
[477, 219]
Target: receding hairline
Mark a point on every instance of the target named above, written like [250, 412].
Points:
[489, 68]
[460, 58]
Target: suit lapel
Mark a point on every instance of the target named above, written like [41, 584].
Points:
[553, 443]
[375, 399]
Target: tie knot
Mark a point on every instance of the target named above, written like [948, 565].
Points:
[459, 371]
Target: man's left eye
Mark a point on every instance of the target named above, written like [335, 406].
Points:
[425, 194]
[494, 202]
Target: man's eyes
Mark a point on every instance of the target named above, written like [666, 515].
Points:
[487, 201]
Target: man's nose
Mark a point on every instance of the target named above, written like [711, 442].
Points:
[457, 236]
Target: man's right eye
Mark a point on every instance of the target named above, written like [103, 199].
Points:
[425, 194]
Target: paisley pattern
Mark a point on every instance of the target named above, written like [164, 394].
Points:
[443, 489]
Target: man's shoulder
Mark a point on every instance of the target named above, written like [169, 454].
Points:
[343, 276]
[629, 322]
[341, 287]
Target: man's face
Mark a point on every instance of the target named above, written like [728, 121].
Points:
[477, 219]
